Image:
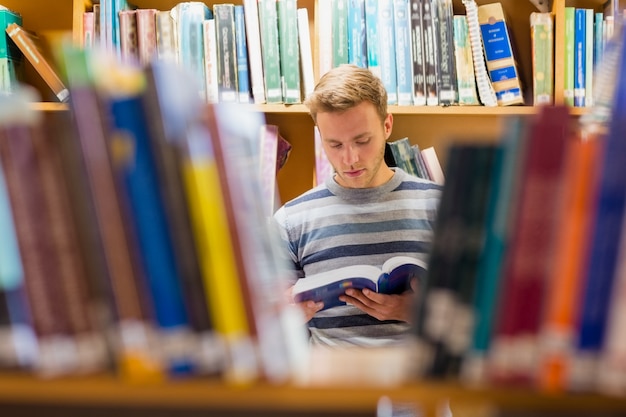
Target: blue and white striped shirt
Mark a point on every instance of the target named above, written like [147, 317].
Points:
[331, 227]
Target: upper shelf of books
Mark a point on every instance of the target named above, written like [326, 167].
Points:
[467, 57]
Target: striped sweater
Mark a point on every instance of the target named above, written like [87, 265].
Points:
[331, 226]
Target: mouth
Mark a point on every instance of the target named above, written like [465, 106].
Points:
[353, 173]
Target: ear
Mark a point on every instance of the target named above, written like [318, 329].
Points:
[388, 125]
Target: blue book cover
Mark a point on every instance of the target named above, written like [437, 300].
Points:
[188, 17]
[606, 225]
[372, 36]
[579, 57]
[139, 186]
[387, 57]
[243, 75]
[10, 262]
[393, 277]
[357, 45]
[598, 37]
[404, 64]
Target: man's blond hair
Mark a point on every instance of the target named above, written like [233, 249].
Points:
[344, 87]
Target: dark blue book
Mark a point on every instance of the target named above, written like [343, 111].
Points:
[139, 186]
[606, 227]
[243, 75]
[393, 277]
[580, 45]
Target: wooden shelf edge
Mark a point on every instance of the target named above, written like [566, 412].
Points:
[215, 394]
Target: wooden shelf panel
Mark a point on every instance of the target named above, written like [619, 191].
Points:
[214, 394]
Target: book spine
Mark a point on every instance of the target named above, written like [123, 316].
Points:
[466, 80]
[146, 35]
[165, 36]
[210, 60]
[24, 182]
[253, 35]
[386, 34]
[431, 51]
[499, 54]
[404, 65]
[134, 355]
[357, 46]
[289, 50]
[224, 16]
[243, 68]
[580, 72]
[138, 183]
[372, 36]
[589, 70]
[542, 49]
[129, 51]
[446, 76]
[188, 18]
[570, 51]
[87, 39]
[9, 49]
[486, 93]
[268, 21]
[306, 54]
[323, 36]
[339, 15]
[24, 41]
[417, 54]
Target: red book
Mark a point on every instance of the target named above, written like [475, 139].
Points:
[526, 268]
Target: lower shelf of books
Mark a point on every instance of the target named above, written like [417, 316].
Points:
[25, 395]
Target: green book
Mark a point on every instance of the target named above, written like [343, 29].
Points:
[289, 50]
[7, 48]
[268, 22]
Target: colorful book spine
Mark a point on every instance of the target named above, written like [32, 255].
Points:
[243, 68]
[499, 55]
[323, 36]
[188, 18]
[486, 94]
[404, 64]
[589, 69]
[129, 51]
[289, 51]
[569, 57]
[580, 55]
[253, 37]
[372, 36]
[227, 83]
[357, 45]
[306, 53]
[447, 74]
[431, 51]
[146, 35]
[387, 53]
[464, 61]
[268, 22]
[210, 60]
[417, 54]
[165, 36]
[542, 49]
[339, 15]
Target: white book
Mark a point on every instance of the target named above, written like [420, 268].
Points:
[210, 60]
[433, 165]
[323, 22]
[253, 34]
[306, 54]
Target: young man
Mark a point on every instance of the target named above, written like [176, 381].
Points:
[367, 213]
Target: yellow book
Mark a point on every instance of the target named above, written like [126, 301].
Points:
[217, 262]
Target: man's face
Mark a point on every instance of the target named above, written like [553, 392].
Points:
[354, 141]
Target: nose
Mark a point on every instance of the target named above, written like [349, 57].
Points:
[350, 155]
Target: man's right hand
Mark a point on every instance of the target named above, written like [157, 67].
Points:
[309, 308]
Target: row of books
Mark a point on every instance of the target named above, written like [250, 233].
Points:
[424, 54]
[235, 53]
[422, 163]
[132, 235]
[526, 277]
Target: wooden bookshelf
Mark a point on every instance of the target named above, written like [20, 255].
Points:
[427, 126]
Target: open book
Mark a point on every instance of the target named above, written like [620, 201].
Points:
[394, 277]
